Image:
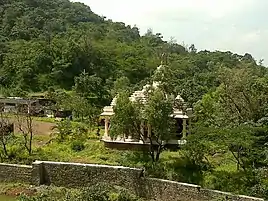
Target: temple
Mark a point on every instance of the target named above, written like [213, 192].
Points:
[181, 114]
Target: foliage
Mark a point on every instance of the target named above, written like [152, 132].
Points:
[24, 121]
[64, 45]
[7, 137]
[157, 113]
[99, 192]
[235, 101]
[67, 130]
[129, 116]
[77, 146]
[83, 110]
[63, 130]
[127, 119]
[81, 60]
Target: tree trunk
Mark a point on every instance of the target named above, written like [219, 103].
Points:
[5, 149]
[159, 149]
[30, 143]
[151, 149]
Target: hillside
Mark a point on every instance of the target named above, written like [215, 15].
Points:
[81, 60]
[58, 44]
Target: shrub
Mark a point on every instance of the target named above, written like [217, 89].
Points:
[99, 192]
[126, 196]
[96, 193]
[77, 146]
[63, 130]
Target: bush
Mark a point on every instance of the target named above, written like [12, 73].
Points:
[63, 130]
[77, 146]
[126, 196]
[99, 192]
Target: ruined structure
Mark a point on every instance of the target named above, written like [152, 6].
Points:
[35, 106]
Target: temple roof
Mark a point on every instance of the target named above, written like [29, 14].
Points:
[113, 103]
[107, 111]
[138, 96]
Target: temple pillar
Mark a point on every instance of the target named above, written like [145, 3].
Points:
[129, 137]
[28, 109]
[142, 130]
[184, 129]
[106, 133]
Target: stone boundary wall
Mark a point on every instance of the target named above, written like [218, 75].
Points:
[75, 175]
[159, 189]
[15, 173]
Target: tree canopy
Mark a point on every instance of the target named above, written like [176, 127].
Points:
[62, 44]
[81, 60]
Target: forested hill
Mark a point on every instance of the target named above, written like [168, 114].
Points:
[59, 44]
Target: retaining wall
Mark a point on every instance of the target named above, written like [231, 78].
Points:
[77, 175]
[73, 175]
[159, 189]
[15, 173]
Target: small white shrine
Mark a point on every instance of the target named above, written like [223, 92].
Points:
[181, 114]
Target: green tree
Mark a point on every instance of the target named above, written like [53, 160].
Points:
[156, 112]
[6, 137]
[127, 119]
[83, 110]
[121, 84]
[90, 87]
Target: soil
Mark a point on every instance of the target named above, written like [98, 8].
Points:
[21, 190]
[39, 127]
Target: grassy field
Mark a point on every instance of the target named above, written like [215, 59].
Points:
[172, 165]
[222, 175]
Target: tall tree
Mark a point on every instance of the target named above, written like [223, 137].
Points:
[129, 116]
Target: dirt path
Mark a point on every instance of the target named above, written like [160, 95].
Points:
[43, 128]
[39, 127]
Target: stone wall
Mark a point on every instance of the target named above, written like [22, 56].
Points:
[77, 175]
[82, 175]
[158, 189]
[15, 173]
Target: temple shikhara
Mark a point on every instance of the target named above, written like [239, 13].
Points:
[181, 114]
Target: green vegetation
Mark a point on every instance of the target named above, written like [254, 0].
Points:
[95, 193]
[100, 192]
[81, 60]
[130, 115]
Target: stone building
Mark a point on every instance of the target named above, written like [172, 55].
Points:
[181, 114]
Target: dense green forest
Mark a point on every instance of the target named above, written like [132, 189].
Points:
[56, 45]
[59, 44]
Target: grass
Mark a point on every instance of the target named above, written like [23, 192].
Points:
[45, 119]
[10, 191]
[171, 162]
[94, 152]
[100, 191]
[172, 165]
